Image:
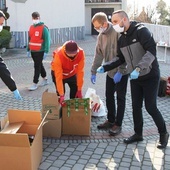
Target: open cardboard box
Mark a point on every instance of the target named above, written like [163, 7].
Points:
[52, 126]
[17, 152]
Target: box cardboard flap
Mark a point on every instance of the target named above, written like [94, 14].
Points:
[50, 96]
[14, 140]
[26, 116]
[43, 120]
[12, 128]
[4, 121]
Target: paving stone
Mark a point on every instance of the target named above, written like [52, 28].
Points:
[99, 151]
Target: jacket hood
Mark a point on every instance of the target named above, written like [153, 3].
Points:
[40, 23]
[133, 26]
[110, 27]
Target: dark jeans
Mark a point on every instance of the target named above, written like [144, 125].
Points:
[72, 83]
[120, 88]
[38, 65]
[6, 77]
[146, 90]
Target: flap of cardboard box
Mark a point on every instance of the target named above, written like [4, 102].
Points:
[12, 128]
[29, 117]
[50, 96]
[14, 140]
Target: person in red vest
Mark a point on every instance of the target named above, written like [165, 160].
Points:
[38, 46]
[68, 67]
[5, 74]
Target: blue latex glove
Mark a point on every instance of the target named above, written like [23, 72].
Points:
[93, 78]
[45, 56]
[100, 69]
[134, 74]
[117, 77]
[17, 95]
[28, 54]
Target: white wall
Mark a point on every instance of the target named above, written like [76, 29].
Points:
[54, 13]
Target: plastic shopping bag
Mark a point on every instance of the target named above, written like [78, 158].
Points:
[97, 105]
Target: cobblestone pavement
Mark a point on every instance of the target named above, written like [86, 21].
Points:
[99, 151]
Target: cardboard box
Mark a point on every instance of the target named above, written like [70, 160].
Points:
[76, 117]
[18, 150]
[52, 126]
[50, 102]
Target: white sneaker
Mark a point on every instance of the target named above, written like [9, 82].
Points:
[33, 87]
[44, 82]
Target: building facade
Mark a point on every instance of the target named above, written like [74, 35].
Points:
[66, 19]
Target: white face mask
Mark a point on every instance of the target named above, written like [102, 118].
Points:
[118, 28]
[35, 21]
[101, 30]
[1, 28]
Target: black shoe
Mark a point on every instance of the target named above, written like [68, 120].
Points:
[133, 138]
[105, 125]
[163, 141]
[115, 130]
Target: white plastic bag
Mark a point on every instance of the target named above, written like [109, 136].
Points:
[97, 105]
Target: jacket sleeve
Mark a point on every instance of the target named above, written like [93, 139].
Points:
[116, 62]
[58, 72]
[46, 37]
[80, 72]
[149, 45]
[98, 58]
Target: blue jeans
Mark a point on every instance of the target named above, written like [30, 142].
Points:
[120, 88]
[146, 90]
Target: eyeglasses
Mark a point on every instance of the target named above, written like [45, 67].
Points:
[97, 28]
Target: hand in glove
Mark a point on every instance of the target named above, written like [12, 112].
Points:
[17, 95]
[93, 78]
[134, 74]
[45, 56]
[100, 69]
[61, 100]
[79, 94]
[117, 77]
[28, 54]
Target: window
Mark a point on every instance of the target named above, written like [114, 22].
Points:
[2, 5]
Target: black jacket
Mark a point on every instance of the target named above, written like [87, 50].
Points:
[137, 48]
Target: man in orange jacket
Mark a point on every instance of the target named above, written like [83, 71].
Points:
[68, 67]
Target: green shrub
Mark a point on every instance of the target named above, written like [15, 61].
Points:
[5, 37]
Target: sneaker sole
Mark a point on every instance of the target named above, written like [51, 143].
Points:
[43, 85]
[33, 89]
[113, 134]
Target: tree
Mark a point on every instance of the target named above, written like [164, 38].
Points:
[162, 10]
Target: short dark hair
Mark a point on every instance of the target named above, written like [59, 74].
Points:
[2, 14]
[122, 13]
[35, 15]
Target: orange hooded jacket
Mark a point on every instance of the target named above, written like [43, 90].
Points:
[64, 67]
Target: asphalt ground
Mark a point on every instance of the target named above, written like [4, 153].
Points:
[99, 151]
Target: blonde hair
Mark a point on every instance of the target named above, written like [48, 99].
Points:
[101, 17]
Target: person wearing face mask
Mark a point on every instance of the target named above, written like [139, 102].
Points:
[38, 47]
[137, 48]
[5, 74]
[116, 79]
[67, 67]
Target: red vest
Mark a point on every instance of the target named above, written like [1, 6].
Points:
[35, 34]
